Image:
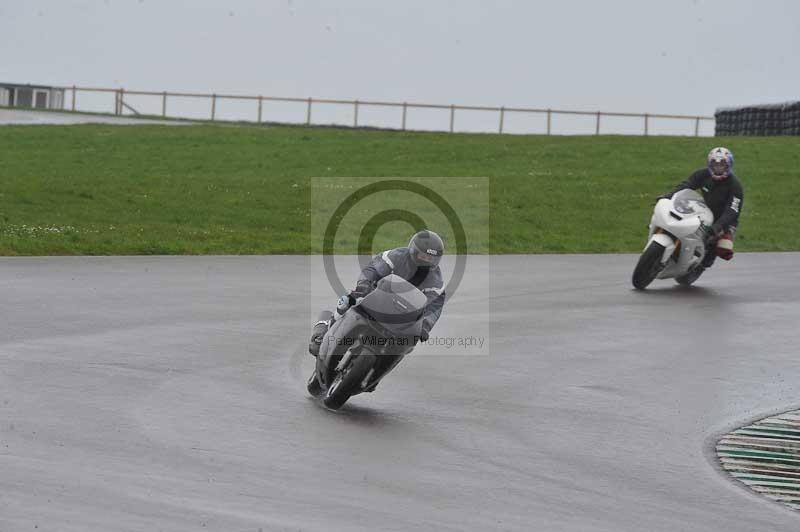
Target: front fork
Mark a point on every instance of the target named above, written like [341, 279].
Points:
[671, 245]
[340, 344]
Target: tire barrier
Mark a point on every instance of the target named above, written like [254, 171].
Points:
[759, 120]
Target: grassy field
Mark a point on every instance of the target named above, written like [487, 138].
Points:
[247, 190]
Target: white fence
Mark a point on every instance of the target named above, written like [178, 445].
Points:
[381, 114]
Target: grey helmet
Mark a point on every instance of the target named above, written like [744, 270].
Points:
[426, 249]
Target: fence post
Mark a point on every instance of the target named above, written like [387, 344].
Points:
[355, 113]
[549, 120]
[213, 106]
[74, 90]
[452, 116]
[121, 101]
[308, 113]
[502, 116]
[405, 110]
[646, 124]
[597, 124]
[260, 103]
[697, 126]
[116, 102]
[164, 103]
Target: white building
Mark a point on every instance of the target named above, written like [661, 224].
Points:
[38, 96]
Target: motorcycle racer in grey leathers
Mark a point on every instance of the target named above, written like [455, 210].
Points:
[418, 263]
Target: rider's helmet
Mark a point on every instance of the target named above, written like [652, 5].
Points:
[720, 163]
[426, 249]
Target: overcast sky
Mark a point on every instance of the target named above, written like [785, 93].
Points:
[676, 56]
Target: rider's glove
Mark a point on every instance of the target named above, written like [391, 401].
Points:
[343, 304]
[363, 287]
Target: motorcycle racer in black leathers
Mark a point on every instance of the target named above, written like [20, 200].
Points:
[418, 263]
[723, 193]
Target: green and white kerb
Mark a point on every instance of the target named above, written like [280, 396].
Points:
[766, 457]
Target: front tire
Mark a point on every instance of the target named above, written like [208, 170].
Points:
[313, 385]
[348, 382]
[649, 265]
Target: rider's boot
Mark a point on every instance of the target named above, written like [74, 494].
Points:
[324, 321]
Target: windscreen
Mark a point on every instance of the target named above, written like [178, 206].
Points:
[394, 300]
[688, 202]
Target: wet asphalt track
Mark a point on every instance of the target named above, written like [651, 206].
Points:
[30, 117]
[168, 393]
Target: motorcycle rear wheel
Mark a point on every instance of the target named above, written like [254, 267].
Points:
[648, 266]
[692, 276]
[348, 381]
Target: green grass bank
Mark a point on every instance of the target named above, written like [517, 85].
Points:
[214, 189]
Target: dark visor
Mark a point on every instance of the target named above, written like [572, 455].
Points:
[424, 258]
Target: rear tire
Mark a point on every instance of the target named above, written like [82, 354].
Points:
[649, 265]
[349, 381]
[692, 276]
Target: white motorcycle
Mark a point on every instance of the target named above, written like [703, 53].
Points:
[676, 246]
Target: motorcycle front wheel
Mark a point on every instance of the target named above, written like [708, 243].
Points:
[313, 385]
[348, 381]
[648, 266]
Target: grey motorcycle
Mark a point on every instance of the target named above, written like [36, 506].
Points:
[367, 341]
